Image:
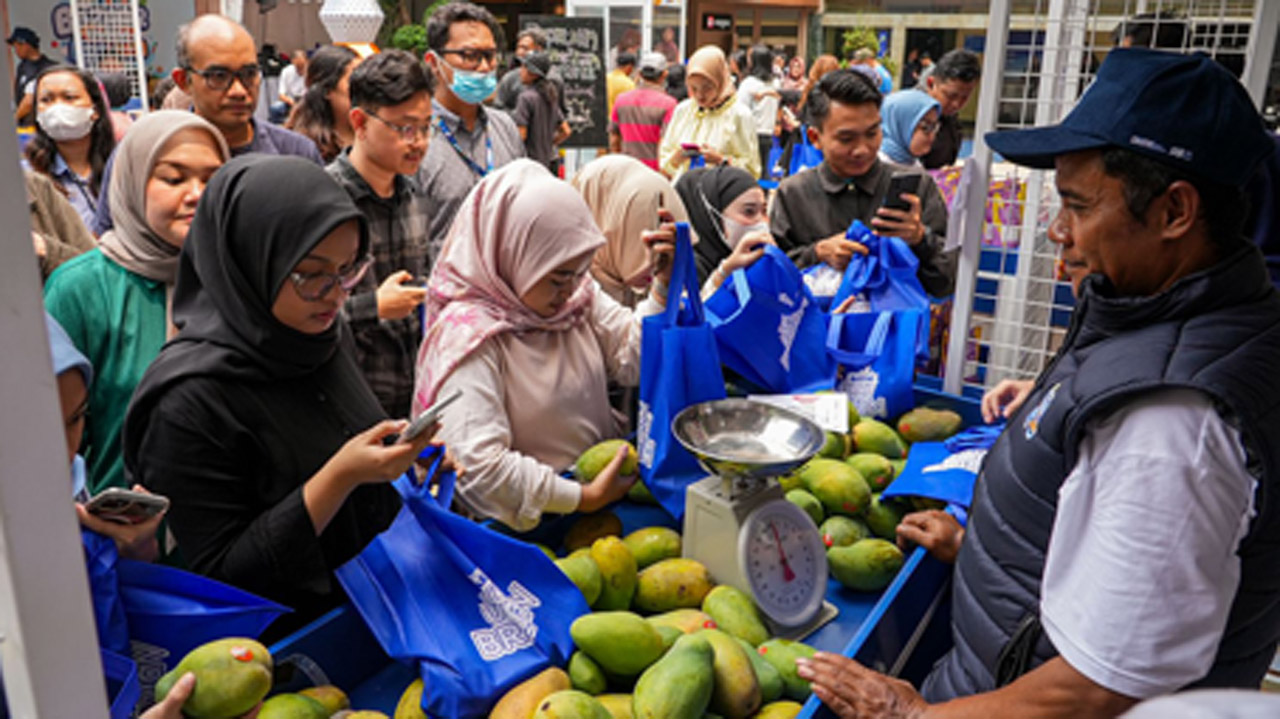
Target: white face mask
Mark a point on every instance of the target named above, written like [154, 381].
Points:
[734, 231]
[65, 122]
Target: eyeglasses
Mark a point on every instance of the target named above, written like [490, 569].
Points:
[219, 78]
[313, 286]
[928, 128]
[408, 133]
[472, 57]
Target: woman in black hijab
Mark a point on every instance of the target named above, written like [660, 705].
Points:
[254, 420]
[727, 211]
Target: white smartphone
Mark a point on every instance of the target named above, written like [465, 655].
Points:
[426, 419]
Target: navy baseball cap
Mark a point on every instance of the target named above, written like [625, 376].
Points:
[1185, 111]
[24, 34]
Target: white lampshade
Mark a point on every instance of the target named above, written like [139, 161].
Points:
[351, 21]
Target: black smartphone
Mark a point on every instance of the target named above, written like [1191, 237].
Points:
[125, 505]
[900, 183]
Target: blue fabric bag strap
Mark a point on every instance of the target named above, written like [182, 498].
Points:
[871, 350]
[684, 301]
[410, 488]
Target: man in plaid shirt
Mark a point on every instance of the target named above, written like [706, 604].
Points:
[391, 117]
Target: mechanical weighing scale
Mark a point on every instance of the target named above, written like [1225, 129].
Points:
[737, 521]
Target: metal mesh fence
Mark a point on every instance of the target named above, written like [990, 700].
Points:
[108, 40]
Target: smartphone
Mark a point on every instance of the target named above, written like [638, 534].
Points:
[691, 149]
[900, 183]
[126, 506]
[426, 419]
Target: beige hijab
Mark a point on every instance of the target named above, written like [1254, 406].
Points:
[131, 243]
[623, 194]
[709, 61]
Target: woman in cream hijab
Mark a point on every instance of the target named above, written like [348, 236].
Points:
[711, 118]
[515, 322]
[114, 301]
[624, 195]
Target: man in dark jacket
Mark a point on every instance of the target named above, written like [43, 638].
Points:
[1125, 531]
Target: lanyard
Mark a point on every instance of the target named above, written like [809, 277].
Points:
[488, 147]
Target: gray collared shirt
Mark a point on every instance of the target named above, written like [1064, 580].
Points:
[446, 178]
[816, 204]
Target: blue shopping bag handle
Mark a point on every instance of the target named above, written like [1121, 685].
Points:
[684, 281]
[446, 482]
[873, 348]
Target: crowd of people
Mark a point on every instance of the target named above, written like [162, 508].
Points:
[253, 309]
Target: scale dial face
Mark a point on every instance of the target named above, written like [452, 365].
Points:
[784, 561]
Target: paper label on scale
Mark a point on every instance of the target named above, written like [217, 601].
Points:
[828, 411]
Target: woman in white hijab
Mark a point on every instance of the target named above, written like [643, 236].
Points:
[514, 321]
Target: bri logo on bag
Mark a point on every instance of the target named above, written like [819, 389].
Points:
[788, 327]
[861, 386]
[1032, 424]
[511, 626]
[970, 460]
[644, 437]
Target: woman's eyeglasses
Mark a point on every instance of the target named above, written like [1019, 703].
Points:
[313, 286]
[218, 78]
[929, 128]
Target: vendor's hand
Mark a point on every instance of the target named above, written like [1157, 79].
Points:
[396, 299]
[854, 692]
[660, 245]
[712, 156]
[938, 532]
[609, 486]
[836, 250]
[133, 541]
[364, 459]
[1005, 398]
[906, 224]
[171, 706]
[750, 248]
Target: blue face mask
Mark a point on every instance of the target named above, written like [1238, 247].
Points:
[473, 87]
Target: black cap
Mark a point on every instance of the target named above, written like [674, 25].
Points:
[24, 34]
[1185, 111]
[538, 63]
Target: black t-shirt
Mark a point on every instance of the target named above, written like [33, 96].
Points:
[27, 71]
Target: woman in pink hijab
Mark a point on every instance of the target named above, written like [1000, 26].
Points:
[515, 321]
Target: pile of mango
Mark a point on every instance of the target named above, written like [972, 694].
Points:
[234, 675]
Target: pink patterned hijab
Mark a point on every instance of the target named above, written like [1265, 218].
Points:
[516, 226]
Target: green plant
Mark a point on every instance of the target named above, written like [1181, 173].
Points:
[412, 38]
[862, 36]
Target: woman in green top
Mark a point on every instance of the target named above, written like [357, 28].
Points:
[113, 301]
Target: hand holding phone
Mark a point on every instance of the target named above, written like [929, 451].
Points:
[899, 184]
[126, 506]
[423, 421]
[691, 149]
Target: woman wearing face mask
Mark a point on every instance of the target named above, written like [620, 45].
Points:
[114, 300]
[74, 135]
[514, 321]
[322, 113]
[712, 119]
[255, 421]
[727, 209]
[624, 195]
[910, 121]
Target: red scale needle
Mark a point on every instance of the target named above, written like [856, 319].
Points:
[787, 573]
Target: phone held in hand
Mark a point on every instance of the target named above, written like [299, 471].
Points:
[429, 417]
[126, 506]
[901, 183]
[691, 149]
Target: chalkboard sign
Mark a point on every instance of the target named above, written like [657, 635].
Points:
[576, 47]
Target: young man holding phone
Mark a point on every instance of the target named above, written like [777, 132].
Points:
[391, 117]
[813, 209]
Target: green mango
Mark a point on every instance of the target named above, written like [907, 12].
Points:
[735, 614]
[640, 493]
[925, 424]
[592, 461]
[680, 684]
[687, 621]
[868, 565]
[618, 571]
[590, 527]
[653, 544]
[333, 698]
[585, 674]
[839, 531]
[875, 469]
[672, 584]
[782, 654]
[622, 643]
[546, 550]
[768, 677]
[736, 691]
[809, 503]
[232, 676]
[618, 705]
[410, 704]
[898, 466]
[292, 706]
[790, 481]
[839, 487]
[581, 569]
[871, 435]
[571, 704]
[523, 699]
[836, 446]
[669, 635]
[884, 516]
[779, 710]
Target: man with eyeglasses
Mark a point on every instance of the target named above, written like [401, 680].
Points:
[391, 119]
[467, 140]
[951, 82]
[217, 65]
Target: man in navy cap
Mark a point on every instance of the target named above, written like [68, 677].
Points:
[26, 45]
[1124, 537]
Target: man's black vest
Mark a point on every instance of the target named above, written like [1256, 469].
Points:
[1217, 332]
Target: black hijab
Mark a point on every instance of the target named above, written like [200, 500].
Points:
[717, 187]
[259, 216]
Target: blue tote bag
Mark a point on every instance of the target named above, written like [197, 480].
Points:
[679, 366]
[885, 278]
[876, 352]
[770, 330]
[803, 154]
[946, 470]
[477, 612]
